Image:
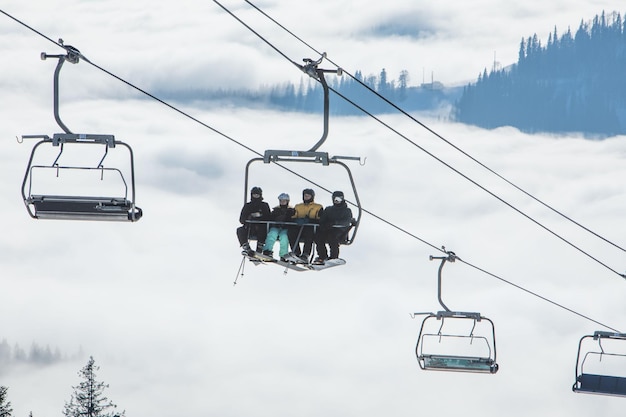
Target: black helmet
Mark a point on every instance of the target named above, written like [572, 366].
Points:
[338, 195]
[256, 190]
[308, 191]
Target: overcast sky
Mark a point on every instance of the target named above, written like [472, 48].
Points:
[154, 302]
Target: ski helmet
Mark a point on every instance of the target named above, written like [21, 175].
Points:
[283, 196]
[309, 192]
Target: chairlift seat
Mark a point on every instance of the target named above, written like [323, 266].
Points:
[458, 363]
[84, 208]
[600, 384]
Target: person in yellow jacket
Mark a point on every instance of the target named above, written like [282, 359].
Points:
[307, 212]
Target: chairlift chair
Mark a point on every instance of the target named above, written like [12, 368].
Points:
[601, 380]
[119, 206]
[313, 155]
[454, 340]
[116, 207]
[455, 351]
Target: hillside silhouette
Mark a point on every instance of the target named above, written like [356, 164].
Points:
[307, 96]
[575, 83]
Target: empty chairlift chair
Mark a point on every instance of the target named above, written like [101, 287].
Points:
[601, 364]
[118, 204]
[58, 200]
[454, 340]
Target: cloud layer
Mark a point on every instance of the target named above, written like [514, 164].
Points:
[190, 44]
[154, 302]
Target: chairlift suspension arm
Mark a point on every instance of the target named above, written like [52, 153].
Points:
[326, 110]
[57, 117]
[72, 56]
[313, 71]
[450, 257]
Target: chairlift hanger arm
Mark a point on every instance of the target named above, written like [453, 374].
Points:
[451, 256]
[311, 69]
[72, 56]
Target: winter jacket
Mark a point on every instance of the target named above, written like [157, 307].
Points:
[337, 214]
[281, 214]
[307, 212]
[255, 209]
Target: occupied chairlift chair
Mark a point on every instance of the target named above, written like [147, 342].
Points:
[116, 207]
[600, 382]
[461, 351]
[311, 156]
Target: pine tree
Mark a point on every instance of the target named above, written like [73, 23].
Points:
[87, 399]
[5, 406]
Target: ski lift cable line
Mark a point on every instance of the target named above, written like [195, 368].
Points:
[432, 155]
[430, 130]
[234, 16]
[142, 91]
[537, 295]
[439, 136]
[315, 184]
[480, 186]
[172, 107]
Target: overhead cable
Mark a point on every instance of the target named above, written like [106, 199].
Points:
[416, 145]
[174, 108]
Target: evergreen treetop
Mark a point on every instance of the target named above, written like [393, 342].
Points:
[88, 399]
[5, 406]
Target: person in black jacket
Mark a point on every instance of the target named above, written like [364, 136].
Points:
[335, 221]
[255, 209]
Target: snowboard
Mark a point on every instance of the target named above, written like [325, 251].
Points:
[329, 263]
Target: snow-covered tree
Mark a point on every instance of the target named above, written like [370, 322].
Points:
[88, 399]
[5, 406]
